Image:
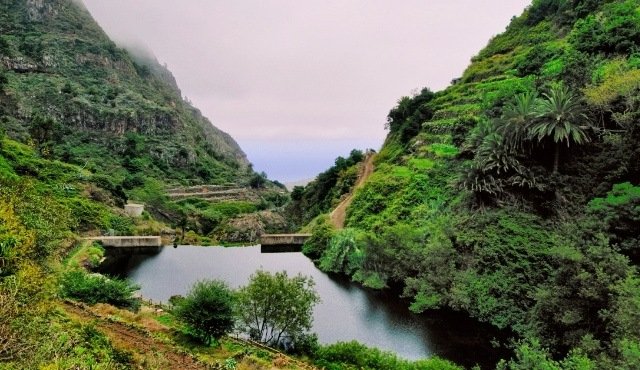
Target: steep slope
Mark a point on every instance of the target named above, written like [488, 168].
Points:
[513, 194]
[76, 96]
[339, 214]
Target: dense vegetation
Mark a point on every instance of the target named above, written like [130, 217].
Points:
[272, 309]
[92, 289]
[85, 126]
[513, 194]
[42, 204]
[324, 192]
[276, 310]
[79, 98]
[70, 93]
[353, 355]
[207, 310]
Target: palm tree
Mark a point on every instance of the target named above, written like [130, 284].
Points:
[517, 117]
[559, 117]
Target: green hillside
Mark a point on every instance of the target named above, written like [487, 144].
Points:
[74, 96]
[514, 194]
[85, 127]
[77, 97]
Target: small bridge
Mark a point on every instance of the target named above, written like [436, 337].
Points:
[128, 241]
[281, 243]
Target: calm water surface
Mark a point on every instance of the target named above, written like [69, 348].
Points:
[347, 311]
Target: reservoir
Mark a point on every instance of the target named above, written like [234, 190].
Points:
[347, 311]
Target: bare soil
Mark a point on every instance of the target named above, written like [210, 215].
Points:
[339, 214]
[153, 352]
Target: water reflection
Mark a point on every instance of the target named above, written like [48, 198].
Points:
[347, 311]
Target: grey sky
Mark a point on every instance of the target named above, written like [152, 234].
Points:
[299, 82]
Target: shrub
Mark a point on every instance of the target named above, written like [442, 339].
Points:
[322, 232]
[95, 288]
[620, 212]
[354, 355]
[344, 253]
[207, 310]
[614, 31]
[258, 181]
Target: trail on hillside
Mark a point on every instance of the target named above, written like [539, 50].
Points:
[339, 214]
[130, 339]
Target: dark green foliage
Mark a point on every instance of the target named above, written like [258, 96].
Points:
[5, 47]
[565, 12]
[207, 310]
[320, 195]
[343, 253]
[276, 199]
[616, 30]
[258, 181]
[503, 163]
[322, 232]
[561, 119]
[541, 9]
[620, 213]
[574, 303]
[531, 355]
[532, 62]
[107, 109]
[407, 117]
[93, 288]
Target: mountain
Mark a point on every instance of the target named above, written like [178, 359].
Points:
[78, 97]
[84, 127]
[514, 194]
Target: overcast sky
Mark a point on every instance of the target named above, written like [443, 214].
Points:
[299, 82]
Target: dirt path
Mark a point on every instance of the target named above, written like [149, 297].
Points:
[339, 214]
[124, 337]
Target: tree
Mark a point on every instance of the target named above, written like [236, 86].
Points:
[517, 117]
[41, 129]
[277, 310]
[560, 116]
[258, 180]
[208, 310]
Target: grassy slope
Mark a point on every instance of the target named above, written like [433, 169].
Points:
[550, 264]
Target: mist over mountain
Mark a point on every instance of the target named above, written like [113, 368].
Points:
[62, 68]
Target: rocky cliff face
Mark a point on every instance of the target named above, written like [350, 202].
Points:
[60, 68]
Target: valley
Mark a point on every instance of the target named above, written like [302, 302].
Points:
[496, 227]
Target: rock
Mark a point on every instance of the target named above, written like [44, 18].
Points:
[249, 227]
[37, 10]
[20, 65]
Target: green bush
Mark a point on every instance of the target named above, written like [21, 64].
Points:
[207, 310]
[95, 288]
[615, 30]
[344, 253]
[258, 181]
[322, 232]
[620, 212]
[355, 356]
